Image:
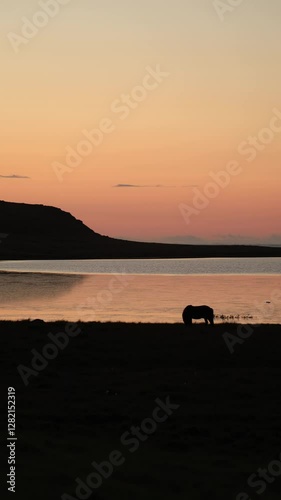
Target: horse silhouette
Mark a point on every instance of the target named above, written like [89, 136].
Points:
[198, 312]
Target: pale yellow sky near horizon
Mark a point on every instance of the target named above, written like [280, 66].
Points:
[223, 84]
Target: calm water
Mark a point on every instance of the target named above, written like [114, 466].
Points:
[140, 290]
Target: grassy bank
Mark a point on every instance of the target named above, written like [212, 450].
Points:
[110, 377]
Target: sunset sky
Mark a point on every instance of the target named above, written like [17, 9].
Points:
[220, 86]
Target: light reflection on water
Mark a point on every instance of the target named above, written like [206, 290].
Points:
[137, 298]
[150, 266]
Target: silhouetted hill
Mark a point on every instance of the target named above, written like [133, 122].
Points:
[21, 218]
[43, 232]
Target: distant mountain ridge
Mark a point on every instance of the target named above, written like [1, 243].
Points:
[45, 232]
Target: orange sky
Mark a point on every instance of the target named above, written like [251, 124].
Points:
[220, 84]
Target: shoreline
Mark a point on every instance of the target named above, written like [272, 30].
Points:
[135, 323]
[269, 253]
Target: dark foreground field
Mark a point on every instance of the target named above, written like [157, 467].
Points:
[224, 423]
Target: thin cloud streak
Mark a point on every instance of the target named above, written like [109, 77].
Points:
[14, 176]
[141, 186]
[149, 186]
